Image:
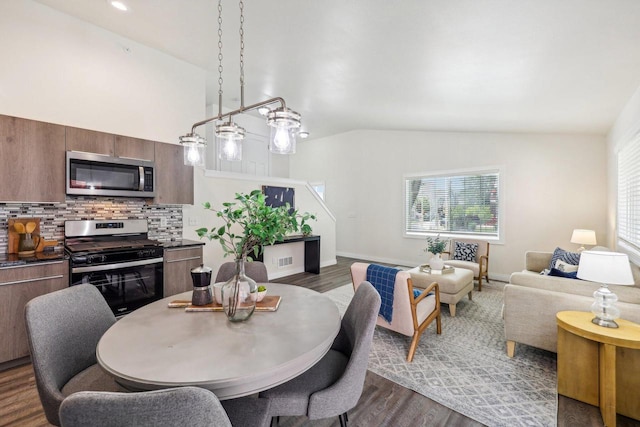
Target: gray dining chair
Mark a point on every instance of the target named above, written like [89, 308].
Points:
[63, 329]
[183, 406]
[335, 383]
[255, 269]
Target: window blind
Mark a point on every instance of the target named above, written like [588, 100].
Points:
[453, 204]
[629, 195]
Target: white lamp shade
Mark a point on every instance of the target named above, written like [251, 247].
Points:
[584, 237]
[611, 268]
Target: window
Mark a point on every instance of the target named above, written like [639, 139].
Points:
[629, 198]
[462, 203]
[319, 188]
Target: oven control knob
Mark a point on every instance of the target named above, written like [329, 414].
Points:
[144, 253]
[96, 258]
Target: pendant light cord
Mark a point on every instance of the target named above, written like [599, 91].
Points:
[241, 55]
[220, 57]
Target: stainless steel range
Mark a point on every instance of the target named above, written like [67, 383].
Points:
[118, 258]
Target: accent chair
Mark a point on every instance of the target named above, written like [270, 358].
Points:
[411, 315]
[478, 264]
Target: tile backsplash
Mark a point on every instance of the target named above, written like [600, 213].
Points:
[165, 221]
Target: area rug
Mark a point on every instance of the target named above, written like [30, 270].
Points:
[466, 368]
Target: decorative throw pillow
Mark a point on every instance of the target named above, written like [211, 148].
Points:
[418, 291]
[572, 258]
[560, 273]
[465, 251]
[566, 267]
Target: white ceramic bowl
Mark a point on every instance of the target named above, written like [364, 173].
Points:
[261, 296]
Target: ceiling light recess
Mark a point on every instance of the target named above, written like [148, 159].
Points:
[119, 5]
[284, 122]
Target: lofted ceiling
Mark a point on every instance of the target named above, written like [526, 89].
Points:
[458, 65]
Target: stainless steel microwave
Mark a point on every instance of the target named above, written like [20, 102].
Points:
[90, 174]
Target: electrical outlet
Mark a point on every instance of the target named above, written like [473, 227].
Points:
[193, 221]
[163, 221]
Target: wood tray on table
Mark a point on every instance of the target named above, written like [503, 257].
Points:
[269, 303]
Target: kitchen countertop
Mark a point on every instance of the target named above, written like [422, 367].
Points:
[13, 260]
[182, 243]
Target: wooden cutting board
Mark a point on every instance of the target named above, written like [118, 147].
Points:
[14, 237]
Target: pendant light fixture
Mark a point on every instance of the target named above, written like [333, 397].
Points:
[284, 122]
[284, 127]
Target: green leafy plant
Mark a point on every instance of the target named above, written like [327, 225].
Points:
[250, 224]
[435, 246]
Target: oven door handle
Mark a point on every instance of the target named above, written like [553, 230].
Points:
[116, 266]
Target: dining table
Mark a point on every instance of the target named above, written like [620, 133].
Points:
[158, 347]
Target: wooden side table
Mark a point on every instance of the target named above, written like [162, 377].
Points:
[599, 366]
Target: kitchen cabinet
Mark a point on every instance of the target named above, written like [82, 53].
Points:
[174, 180]
[32, 158]
[178, 263]
[108, 144]
[90, 141]
[19, 285]
[134, 148]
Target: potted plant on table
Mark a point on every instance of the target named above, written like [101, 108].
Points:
[436, 247]
[249, 225]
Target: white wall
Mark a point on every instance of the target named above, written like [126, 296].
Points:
[217, 188]
[59, 69]
[554, 183]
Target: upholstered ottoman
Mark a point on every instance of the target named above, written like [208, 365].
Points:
[453, 286]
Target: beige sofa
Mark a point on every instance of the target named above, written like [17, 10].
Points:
[531, 301]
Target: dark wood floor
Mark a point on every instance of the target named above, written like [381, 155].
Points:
[383, 403]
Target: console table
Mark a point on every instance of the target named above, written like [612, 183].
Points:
[599, 366]
[311, 251]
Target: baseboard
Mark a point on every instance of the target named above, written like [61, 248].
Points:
[328, 263]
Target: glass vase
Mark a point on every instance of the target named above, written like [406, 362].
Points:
[239, 295]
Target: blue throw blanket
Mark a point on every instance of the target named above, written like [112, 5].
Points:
[383, 279]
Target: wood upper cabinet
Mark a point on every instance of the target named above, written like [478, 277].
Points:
[174, 180]
[90, 141]
[178, 263]
[19, 285]
[134, 148]
[32, 161]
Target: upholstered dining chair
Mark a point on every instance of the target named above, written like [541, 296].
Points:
[255, 269]
[461, 254]
[63, 329]
[333, 385]
[411, 314]
[186, 406]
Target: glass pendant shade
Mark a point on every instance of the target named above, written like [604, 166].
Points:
[229, 137]
[284, 125]
[194, 149]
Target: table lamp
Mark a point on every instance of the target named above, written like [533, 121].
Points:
[583, 237]
[607, 268]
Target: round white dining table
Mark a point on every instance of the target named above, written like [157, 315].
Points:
[159, 347]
